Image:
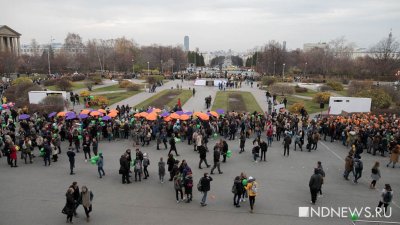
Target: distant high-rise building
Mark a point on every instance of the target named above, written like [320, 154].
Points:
[284, 45]
[186, 43]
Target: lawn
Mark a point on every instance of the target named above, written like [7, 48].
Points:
[75, 86]
[236, 100]
[166, 98]
[117, 97]
[309, 105]
[309, 93]
[114, 87]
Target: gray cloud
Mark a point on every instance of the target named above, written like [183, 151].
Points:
[216, 24]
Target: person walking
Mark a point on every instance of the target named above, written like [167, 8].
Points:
[322, 173]
[170, 163]
[264, 149]
[205, 186]
[224, 151]
[86, 147]
[315, 185]
[76, 195]
[189, 187]
[394, 157]
[387, 196]
[172, 144]
[255, 151]
[13, 155]
[286, 144]
[375, 175]
[203, 156]
[161, 170]
[348, 167]
[242, 142]
[237, 190]
[47, 153]
[124, 169]
[252, 189]
[138, 170]
[217, 156]
[178, 185]
[86, 201]
[100, 164]
[358, 168]
[71, 158]
[69, 207]
[146, 163]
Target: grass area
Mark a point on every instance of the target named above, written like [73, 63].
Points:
[114, 87]
[117, 97]
[248, 102]
[166, 98]
[75, 86]
[309, 105]
[309, 93]
[342, 93]
[221, 100]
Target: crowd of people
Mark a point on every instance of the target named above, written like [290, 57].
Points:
[359, 132]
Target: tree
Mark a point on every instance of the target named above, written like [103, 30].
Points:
[237, 61]
[379, 98]
[216, 61]
[64, 85]
[386, 55]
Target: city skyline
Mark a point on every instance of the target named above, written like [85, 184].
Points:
[211, 25]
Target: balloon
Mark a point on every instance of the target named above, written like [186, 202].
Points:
[198, 125]
[1, 107]
[215, 135]
[177, 140]
[3, 125]
[244, 182]
[229, 153]
[41, 153]
[80, 137]
[99, 119]
[93, 162]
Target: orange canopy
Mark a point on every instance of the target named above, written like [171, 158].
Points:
[151, 116]
[197, 113]
[113, 110]
[203, 116]
[213, 113]
[61, 114]
[156, 110]
[143, 114]
[95, 113]
[174, 116]
[85, 111]
[167, 119]
[137, 115]
[184, 117]
[112, 114]
[102, 111]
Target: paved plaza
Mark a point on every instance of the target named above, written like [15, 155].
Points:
[34, 194]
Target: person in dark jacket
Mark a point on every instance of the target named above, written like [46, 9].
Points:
[315, 185]
[124, 169]
[71, 157]
[47, 153]
[237, 191]
[286, 144]
[264, 149]
[76, 196]
[170, 163]
[205, 187]
[69, 205]
[172, 144]
[203, 155]
[217, 156]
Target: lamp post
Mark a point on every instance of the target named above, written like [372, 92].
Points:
[48, 54]
[274, 67]
[148, 68]
[161, 67]
[305, 68]
[133, 66]
[283, 71]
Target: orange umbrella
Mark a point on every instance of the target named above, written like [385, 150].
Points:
[213, 113]
[203, 116]
[143, 114]
[112, 114]
[151, 117]
[61, 114]
[102, 111]
[85, 111]
[184, 117]
[114, 110]
[167, 119]
[197, 113]
[157, 110]
[95, 113]
[174, 116]
[137, 115]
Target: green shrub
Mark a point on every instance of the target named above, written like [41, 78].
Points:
[125, 83]
[154, 79]
[281, 89]
[78, 77]
[299, 89]
[322, 97]
[133, 87]
[64, 85]
[21, 80]
[268, 80]
[50, 82]
[380, 99]
[335, 85]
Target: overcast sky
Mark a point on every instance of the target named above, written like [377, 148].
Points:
[211, 24]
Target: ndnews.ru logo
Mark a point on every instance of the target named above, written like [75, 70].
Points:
[345, 212]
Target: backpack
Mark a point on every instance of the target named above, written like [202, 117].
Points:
[358, 165]
[254, 187]
[374, 171]
[146, 162]
[387, 197]
[234, 189]
[189, 184]
[199, 186]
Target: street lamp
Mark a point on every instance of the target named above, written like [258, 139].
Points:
[305, 68]
[161, 67]
[48, 54]
[283, 71]
[133, 66]
[148, 68]
[274, 67]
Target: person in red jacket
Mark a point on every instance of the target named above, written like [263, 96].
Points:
[13, 155]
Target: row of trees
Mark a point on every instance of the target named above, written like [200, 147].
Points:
[119, 54]
[337, 58]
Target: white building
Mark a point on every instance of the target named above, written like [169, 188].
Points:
[309, 46]
[27, 49]
[186, 43]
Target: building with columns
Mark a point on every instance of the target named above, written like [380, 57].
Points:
[9, 40]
